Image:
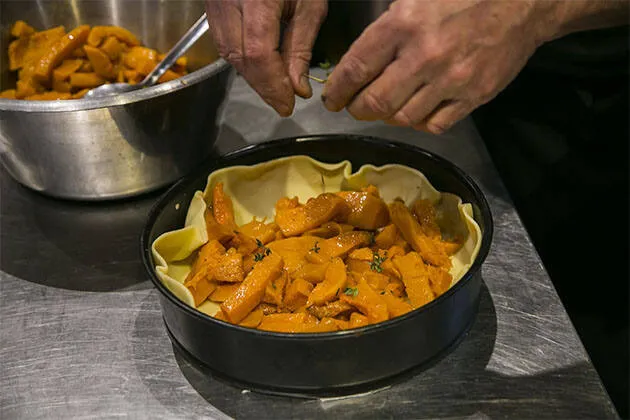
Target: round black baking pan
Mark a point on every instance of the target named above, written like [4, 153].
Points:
[325, 363]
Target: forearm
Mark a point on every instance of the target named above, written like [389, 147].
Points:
[568, 16]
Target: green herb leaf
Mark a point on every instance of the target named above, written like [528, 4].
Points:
[351, 291]
[267, 251]
[259, 243]
[377, 260]
[325, 65]
[259, 256]
[316, 248]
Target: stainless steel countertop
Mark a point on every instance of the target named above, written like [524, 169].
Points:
[81, 334]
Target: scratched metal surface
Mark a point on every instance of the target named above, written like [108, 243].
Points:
[81, 335]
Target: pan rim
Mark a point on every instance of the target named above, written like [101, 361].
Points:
[165, 199]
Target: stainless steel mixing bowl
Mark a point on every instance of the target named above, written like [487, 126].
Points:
[120, 146]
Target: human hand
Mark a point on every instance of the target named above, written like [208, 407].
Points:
[247, 35]
[428, 64]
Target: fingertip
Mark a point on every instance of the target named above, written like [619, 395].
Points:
[303, 87]
[328, 103]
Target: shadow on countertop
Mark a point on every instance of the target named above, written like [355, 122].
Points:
[72, 245]
[457, 385]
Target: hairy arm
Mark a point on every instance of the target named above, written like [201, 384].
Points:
[580, 15]
[428, 64]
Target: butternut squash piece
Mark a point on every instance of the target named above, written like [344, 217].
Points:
[426, 216]
[316, 211]
[329, 230]
[451, 247]
[313, 273]
[395, 305]
[248, 263]
[324, 325]
[331, 309]
[223, 291]
[334, 282]
[80, 94]
[220, 315]
[100, 62]
[244, 244]
[252, 289]
[395, 287]
[377, 281]
[253, 319]
[215, 230]
[61, 49]
[274, 293]
[86, 67]
[268, 309]
[412, 232]
[86, 80]
[439, 279]
[167, 76]
[132, 77]
[367, 211]
[8, 94]
[112, 47]
[338, 246]
[21, 29]
[222, 207]
[25, 89]
[363, 254]
[66, 68]
[98, 33]
[49, 96]
[286, 322]
[342, 324]
[229, 268]
[200, 286]
[297, 293]
[256, 229]
[138, 57]
[415, 277]
[207, 258]
[358, 320]
[367, 301]
[17, 51]
[386, 237]
[78, 53]
[61, 86]
[41, 42]
[293, 250]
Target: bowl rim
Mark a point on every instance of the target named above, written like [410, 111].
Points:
[83, 104]
[224, 161]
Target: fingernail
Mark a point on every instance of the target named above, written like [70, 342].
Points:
[283, 109]
[306, 86]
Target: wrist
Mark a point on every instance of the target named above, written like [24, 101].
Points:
[556, 18]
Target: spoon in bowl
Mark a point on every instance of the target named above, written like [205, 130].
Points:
[194, 33]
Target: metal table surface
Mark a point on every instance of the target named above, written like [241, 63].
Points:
[81, 333]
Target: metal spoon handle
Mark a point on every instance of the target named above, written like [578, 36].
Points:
[194, 33]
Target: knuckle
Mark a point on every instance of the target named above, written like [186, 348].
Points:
[255, 53]
[435, 127]
[354, 70]
[485, 92]
[460, 75]
[403, 118]
[376, 104]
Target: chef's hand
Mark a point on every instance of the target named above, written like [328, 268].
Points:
[428, 64]
[247, 34]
